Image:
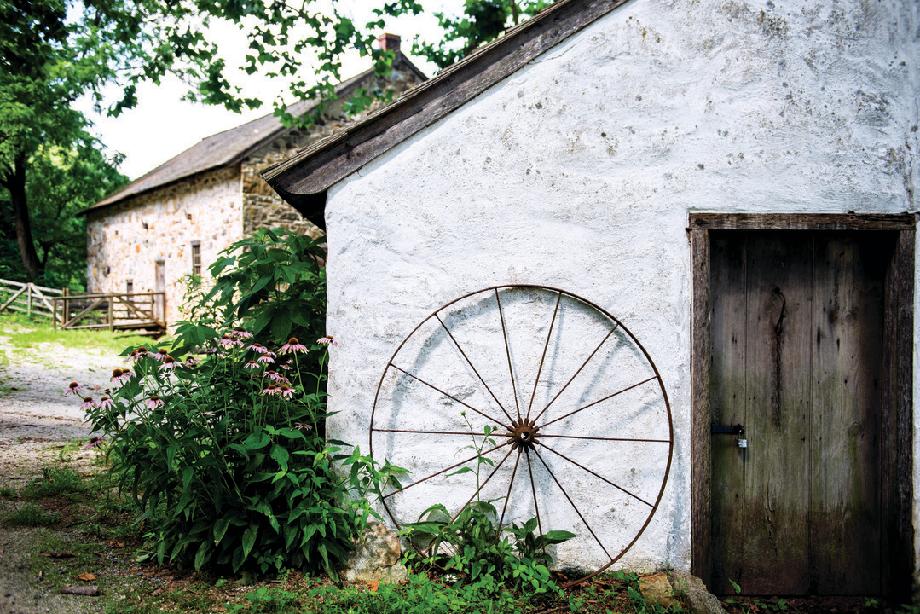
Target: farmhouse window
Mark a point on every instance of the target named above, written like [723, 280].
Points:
[129, 286]
[196, 258]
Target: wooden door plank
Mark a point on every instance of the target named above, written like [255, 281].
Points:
[778, 379]
[727, 403]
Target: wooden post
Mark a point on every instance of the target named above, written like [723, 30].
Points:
[65, 292]
[111, 313]
[29, 300]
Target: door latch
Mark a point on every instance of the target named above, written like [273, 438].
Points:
[731, 429]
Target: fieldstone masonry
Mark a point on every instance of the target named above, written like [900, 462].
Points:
[213, 209]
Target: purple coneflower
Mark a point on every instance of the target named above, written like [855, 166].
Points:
[293, 346]
[160, 355]
[303, 426]
[154, 402]
[228, 342]
[327, 340]
[94, 442]
[106, 403]
[73, 388]
[286, 391]
[266, 358]
[120, 376]
[239, 333]
[139, 353]
[87, 403]
[191, 361]
[169, 363]
[252, 365]
[258, 349]
[274, 376]
[271, 390]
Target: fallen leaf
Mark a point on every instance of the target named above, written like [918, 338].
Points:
[86, 576]
[86, 591]
[116, 543]
[374, 585]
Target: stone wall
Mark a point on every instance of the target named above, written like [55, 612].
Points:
[125, 241]
[579, 172]
[262, 207]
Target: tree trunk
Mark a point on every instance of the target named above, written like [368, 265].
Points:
[16, 184]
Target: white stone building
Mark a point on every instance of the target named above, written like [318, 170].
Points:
[173, 221]
[735, 183]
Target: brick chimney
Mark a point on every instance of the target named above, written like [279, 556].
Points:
[389, 42]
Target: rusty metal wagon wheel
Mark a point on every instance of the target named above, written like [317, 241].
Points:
[582, 427]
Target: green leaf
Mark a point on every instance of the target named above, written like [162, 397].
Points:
[557, 536]
[200, 555]
[256, 440]
[249, 539]
[220, 528]
[280, 456]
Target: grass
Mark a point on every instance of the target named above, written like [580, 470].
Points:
[57, 482]
[26, 334]
[31, 515]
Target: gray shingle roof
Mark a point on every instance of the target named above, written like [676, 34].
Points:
[227, 147]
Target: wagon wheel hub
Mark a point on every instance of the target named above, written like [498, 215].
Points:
[523, 434]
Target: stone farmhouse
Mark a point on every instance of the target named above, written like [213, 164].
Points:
[173, 221]
[666, 250]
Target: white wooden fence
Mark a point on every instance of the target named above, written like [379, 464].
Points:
[28, 298]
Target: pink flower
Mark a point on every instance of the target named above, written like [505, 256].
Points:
[287, 392]
[190, 362]
[160, 355]
[73, 388]
[169, 363]
[87, 403]
[228, 341]
[139, 353]
[106, 403]
[274, 376]
[327, 341]
[303, 426]
[293, 346]
[239, 333]
[120, 376]
[94, 442]
[271, 390]
[252, 365]
[266, 358]
[154, 402]
[258, 349]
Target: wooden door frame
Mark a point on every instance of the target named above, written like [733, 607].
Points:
[897, 396]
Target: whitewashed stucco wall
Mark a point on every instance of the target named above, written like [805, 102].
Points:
[579, 172]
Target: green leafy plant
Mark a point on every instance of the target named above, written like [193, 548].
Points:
[225, 458]
[475, 546]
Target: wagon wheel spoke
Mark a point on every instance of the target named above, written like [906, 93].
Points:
[446, 469]
[549, 333]
[508, 494]
[572, 503]
[501, 315]
[598, 438]
[597, 475]
[420, 432]
[601, 400]
[574, 375]
[469, 362]
[533, 490]
[446, 394]
[484, 482]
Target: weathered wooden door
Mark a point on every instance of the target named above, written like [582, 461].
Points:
[797, 360]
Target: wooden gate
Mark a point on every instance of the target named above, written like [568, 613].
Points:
[114, 311]
[27, 298]
[804, 399]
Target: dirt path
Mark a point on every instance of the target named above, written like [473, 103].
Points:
[37, 421]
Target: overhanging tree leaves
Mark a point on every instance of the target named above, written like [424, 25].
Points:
[54, 51]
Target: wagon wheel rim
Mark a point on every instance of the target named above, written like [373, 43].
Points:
[526, 442]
